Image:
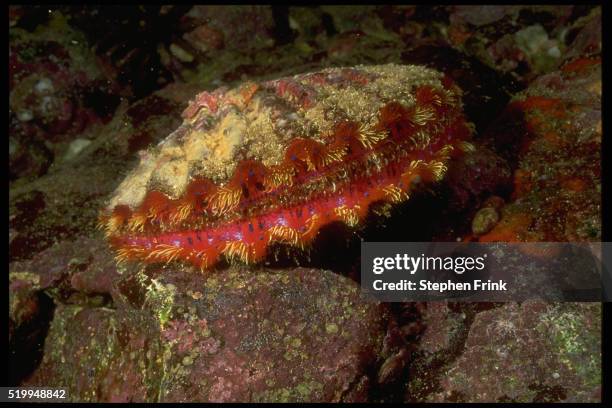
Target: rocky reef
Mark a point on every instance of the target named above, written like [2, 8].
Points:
[87, 102]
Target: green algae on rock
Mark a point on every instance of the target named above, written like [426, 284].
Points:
[243, 337]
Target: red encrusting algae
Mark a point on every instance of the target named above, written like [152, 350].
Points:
[315, 184]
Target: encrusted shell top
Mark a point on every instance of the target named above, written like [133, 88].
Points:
[257, 121]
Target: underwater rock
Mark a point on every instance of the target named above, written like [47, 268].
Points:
[524, 41]
[215, 28]
[561, 342]
[28, 158]
[245, 335]
[584, 37]
[553, 132]
[29, 315]
[446, 327]
[484, 220]
[57, 90]
[58, 206]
